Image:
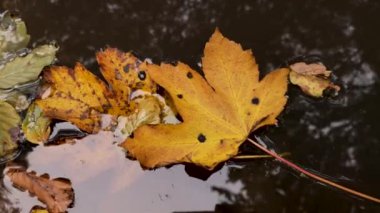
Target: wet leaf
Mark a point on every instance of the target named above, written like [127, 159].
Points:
[147, 111]
[76, 95]
[25, 69]
[57, 194]
[124, 72]
[80, 97]
[38, 209]
[36, 126]
[219, 111]
[9, 121]
[313, 79]
[13, 34]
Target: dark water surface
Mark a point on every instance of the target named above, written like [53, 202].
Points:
[338, 137]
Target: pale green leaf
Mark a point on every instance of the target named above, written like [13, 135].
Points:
[25, 69]
[36, 126]
[9, 121]
[13, 34]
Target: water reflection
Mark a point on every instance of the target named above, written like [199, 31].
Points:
[338, 137]
[104, 181]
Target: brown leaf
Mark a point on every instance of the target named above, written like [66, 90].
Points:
[57, 194]
[313, 79]
[310, 69]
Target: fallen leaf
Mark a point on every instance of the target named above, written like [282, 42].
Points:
[80, 97]
[147, 112]
[38, 209]
[36, 126]
[219, 111]
[13, 34]
[9, 121]
[27, 68]
[77, 96]
[310, 69]
[57, 194]
[313, 79]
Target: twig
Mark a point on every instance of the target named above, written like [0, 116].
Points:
[250, 157]
[311, 175]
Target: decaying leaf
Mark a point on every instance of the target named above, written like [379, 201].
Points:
[313, 79]
[77, 96]
[13, 34]
[9, 121]
[147, 112]
[219, 111]
[57, 194]
[36, 126]
[25, 69]
[80, 97]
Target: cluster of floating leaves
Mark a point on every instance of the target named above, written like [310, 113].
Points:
[219, 110]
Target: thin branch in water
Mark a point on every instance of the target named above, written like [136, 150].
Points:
[251, 157]
[311, 175]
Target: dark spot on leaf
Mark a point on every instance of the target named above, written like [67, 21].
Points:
[132, 135]
[201, 138]
[127, 67]
[180, 96]
[189, 75]
[142, 75]
[255, 101]
[72, 73]
[179, 117]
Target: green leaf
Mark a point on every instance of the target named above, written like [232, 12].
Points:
[13, 34]
[25, 69]
[9, 121]
[36, 126]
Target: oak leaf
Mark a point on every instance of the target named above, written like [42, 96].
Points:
[57, 194]
[219, 111]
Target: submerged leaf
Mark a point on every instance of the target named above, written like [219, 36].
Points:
[36, 126]
[13, 34]
[9, 121]
[25, 69]
[219, 111]
[313, 79]
[57, 194]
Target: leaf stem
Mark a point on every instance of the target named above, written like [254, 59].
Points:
[311, 175]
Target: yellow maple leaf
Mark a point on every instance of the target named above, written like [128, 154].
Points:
[219, 110]
[78, 96]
